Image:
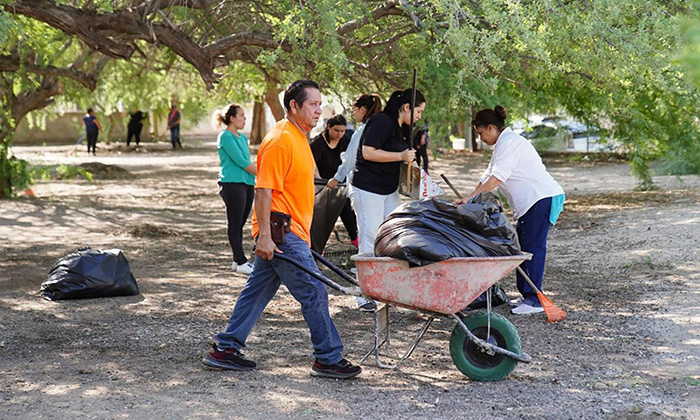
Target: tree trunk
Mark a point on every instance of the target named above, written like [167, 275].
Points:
[272, 99]
[5, 168]
[475, 145]
[13, 172]
[258, 131]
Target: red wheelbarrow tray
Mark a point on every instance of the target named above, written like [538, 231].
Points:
[444, 287]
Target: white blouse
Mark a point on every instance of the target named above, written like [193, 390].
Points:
[524, 178]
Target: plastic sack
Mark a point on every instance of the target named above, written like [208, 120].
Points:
[89, 273]
[426, 231]
[422, 186]
[328, 205]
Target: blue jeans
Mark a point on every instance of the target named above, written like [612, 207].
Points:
[175, 136]
[262, 285]
[532, 230]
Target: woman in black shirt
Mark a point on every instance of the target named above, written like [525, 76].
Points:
[384, 145]
[327, 148]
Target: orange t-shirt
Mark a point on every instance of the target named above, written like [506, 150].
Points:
[286, 166]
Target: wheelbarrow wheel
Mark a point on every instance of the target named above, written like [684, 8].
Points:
[471, 360]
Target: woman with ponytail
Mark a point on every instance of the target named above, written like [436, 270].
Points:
[236, 180]
[535, 197]
[384, 146]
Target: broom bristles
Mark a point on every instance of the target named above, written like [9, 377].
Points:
[554, 314]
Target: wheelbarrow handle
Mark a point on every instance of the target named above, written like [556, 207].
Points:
[348, 278]
[354, 291]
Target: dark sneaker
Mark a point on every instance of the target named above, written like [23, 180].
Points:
[340, 370]
[368, 306]
[229, 359]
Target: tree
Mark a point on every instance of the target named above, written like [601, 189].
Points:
[603, 61]
[37, 62]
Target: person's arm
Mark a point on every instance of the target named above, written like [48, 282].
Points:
[234, 151]
[489, 185]
[97, 123]
[348, 161]
[381, 156]
[265, 247]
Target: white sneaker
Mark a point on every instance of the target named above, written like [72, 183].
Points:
[245, 268]
[525, 309]
[516, 302]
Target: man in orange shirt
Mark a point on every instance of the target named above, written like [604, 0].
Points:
[285, 184]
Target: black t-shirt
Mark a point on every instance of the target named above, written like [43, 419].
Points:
[327, 159]
[136, 118]
[381, 132]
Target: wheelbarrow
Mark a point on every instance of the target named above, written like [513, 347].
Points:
[484, 346]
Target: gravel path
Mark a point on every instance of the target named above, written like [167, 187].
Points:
[624, 264]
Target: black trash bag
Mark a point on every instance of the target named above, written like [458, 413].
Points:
[88, 273]
[328, 205]
[426, 231]
[498, 297]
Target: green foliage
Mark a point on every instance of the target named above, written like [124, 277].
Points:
[61, 172]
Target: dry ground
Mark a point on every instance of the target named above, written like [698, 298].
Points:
[625, 265]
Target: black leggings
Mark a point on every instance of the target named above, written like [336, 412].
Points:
[422, 154]
[238, 198]
[349, 220]
[92, 140]
[136, 133]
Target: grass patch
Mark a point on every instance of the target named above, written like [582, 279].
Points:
[61, 172]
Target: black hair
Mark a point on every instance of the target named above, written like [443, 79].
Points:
[495, 117]
[337, 119]
[371, 102]
[89, 110]
[297, 91]
[224, 116]
[399, 98]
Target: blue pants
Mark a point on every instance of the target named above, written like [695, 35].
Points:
[175, 136]
[532, 229]
[262, 285]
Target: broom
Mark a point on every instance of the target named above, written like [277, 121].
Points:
[554, 314]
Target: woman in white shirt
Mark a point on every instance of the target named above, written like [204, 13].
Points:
[535, 197]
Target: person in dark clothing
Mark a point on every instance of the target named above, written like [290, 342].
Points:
[384, 146]
[420, 143]
[135, 126]
[92, 129]
[174, 126]
[327, 148]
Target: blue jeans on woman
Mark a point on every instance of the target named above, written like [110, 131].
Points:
[532, 230]
[262, 286]
[175, 136]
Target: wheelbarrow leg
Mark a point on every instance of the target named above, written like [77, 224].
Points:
[382, 336]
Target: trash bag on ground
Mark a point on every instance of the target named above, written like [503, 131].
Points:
[328, 205]
[426, 231]
[88, 273]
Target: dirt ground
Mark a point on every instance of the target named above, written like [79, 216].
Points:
[624, 264]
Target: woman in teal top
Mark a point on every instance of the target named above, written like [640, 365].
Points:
[236, 180]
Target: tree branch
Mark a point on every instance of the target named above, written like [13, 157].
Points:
[386, 9]
[12, 63]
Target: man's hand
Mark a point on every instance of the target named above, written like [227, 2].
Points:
[332, 183]
[265, 248]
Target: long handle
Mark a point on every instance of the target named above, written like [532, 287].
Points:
[451, 186]
[354, 291]
[410, 124]
[520, 270]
